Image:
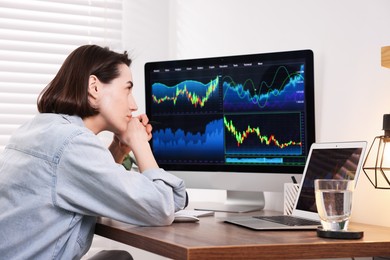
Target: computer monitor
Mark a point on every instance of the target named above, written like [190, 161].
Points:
[241, 123]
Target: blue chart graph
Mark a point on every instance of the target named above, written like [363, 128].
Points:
[189, 146]
[277, 89]
[186, 97]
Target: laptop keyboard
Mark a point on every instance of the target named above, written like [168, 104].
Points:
[289, 220]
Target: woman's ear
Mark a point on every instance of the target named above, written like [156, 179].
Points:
[93, 90]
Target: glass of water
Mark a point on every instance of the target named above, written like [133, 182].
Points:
[334, 203]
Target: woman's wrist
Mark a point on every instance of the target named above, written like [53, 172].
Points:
[145, 158]
[118, 150]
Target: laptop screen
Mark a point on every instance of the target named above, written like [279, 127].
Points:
[330, 163]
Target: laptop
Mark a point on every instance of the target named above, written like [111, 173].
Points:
[325, 161]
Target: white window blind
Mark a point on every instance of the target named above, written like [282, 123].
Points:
[35, 38]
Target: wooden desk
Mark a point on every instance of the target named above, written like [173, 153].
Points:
[211, 238]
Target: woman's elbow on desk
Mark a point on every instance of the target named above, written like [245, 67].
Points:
[158, 218]
[163, 215]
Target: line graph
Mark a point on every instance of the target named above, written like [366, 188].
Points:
[271, 89]
[186, 96]
[256, 134]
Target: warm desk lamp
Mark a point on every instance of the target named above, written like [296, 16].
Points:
[377, 163]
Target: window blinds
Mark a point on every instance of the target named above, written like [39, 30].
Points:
[35, 38]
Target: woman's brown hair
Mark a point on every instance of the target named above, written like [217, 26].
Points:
[67, 93]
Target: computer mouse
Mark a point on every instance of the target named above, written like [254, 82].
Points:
[185, 218]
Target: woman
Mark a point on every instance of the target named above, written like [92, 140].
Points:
[56, 177]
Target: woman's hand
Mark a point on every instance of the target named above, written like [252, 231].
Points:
[148, 127]
[137, 137]
[119, 150]
[138, 133]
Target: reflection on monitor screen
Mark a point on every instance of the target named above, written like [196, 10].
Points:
[239, 123]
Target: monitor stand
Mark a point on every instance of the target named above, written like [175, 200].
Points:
[237, 202]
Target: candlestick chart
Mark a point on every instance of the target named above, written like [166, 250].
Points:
[266, 89]
[187, 96]
[257, 134]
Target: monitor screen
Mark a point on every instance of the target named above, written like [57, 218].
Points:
[244, 113]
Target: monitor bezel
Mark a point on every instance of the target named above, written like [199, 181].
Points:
[306, 55]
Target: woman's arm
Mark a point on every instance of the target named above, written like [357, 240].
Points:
[136, 139]
[118, 150]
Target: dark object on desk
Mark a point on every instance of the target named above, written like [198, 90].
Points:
[112, 254]
[276, 222]
[350, 234]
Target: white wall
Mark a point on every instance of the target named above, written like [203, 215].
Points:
[146, 37]
[352, 89]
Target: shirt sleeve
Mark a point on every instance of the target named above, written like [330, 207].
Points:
[88, 181]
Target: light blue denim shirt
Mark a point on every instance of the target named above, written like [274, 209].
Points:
[56, 177]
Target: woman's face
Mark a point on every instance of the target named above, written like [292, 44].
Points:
[116, 102]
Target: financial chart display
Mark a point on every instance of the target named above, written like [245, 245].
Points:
[243, 113]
